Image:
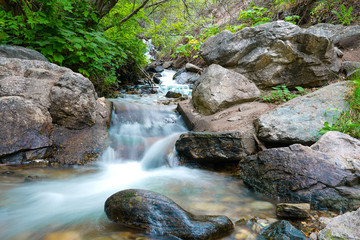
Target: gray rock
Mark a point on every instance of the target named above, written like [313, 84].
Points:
[338, 144]
[159, 215]
[219, 88]
[73, 102]
[207, 147]
[345, 226]
[300, 174]
[21, 53]
[23, 125]
[300, 119]
[192, 68]
[351, 68]
[186, 77]
[275, 53]
[346, 37]
[293, 210]
[167, 64]
[281, 230]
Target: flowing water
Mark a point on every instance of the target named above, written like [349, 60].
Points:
[69, 204]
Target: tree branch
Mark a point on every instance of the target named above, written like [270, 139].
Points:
[157, 3]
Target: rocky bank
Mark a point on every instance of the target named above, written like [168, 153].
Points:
[48, 114]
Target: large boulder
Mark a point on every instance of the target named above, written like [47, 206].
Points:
[73, 101]
[345, 226]
[275, 53]
[300, 119]
[28, 128]
[206, 147]
[8, 51]
[219, 88]
[24, 125]
[301, 174]
[159, 215]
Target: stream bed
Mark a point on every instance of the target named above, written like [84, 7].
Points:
[69, 203]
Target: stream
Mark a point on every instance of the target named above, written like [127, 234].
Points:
[69, 203]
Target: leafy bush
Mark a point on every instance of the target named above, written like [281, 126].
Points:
[345, 16]
[255, 16]
[69, 33]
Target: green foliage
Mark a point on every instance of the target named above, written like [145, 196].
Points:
[349, 121]
[292, 19]
[282, 94]
[345, 16]
[255, 16]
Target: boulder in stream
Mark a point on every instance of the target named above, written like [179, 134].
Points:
[159, 215]
[206, 148]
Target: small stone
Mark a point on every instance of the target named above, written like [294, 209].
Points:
[293, 210]
[171, 94]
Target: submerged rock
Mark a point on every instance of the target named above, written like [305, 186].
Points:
[281, 230]
[159, 215]
[345, 226]
[300, 119]
[219, 88]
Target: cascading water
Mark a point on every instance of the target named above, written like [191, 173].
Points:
[141, 149]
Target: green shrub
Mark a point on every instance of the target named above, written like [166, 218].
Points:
[282, 94]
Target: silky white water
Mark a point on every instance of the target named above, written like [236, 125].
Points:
[140, 155]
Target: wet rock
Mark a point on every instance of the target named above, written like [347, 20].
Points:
[345, 226]
[192, 68]
[207, 147]
[275, 53]
[8, 51]
[171, 94]
[73, 102]
[293, 210]
[300, 174]
[23, 125]
[219, 88]
[338, 144]
[281, 230]
[300, 119]
[159, 215]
